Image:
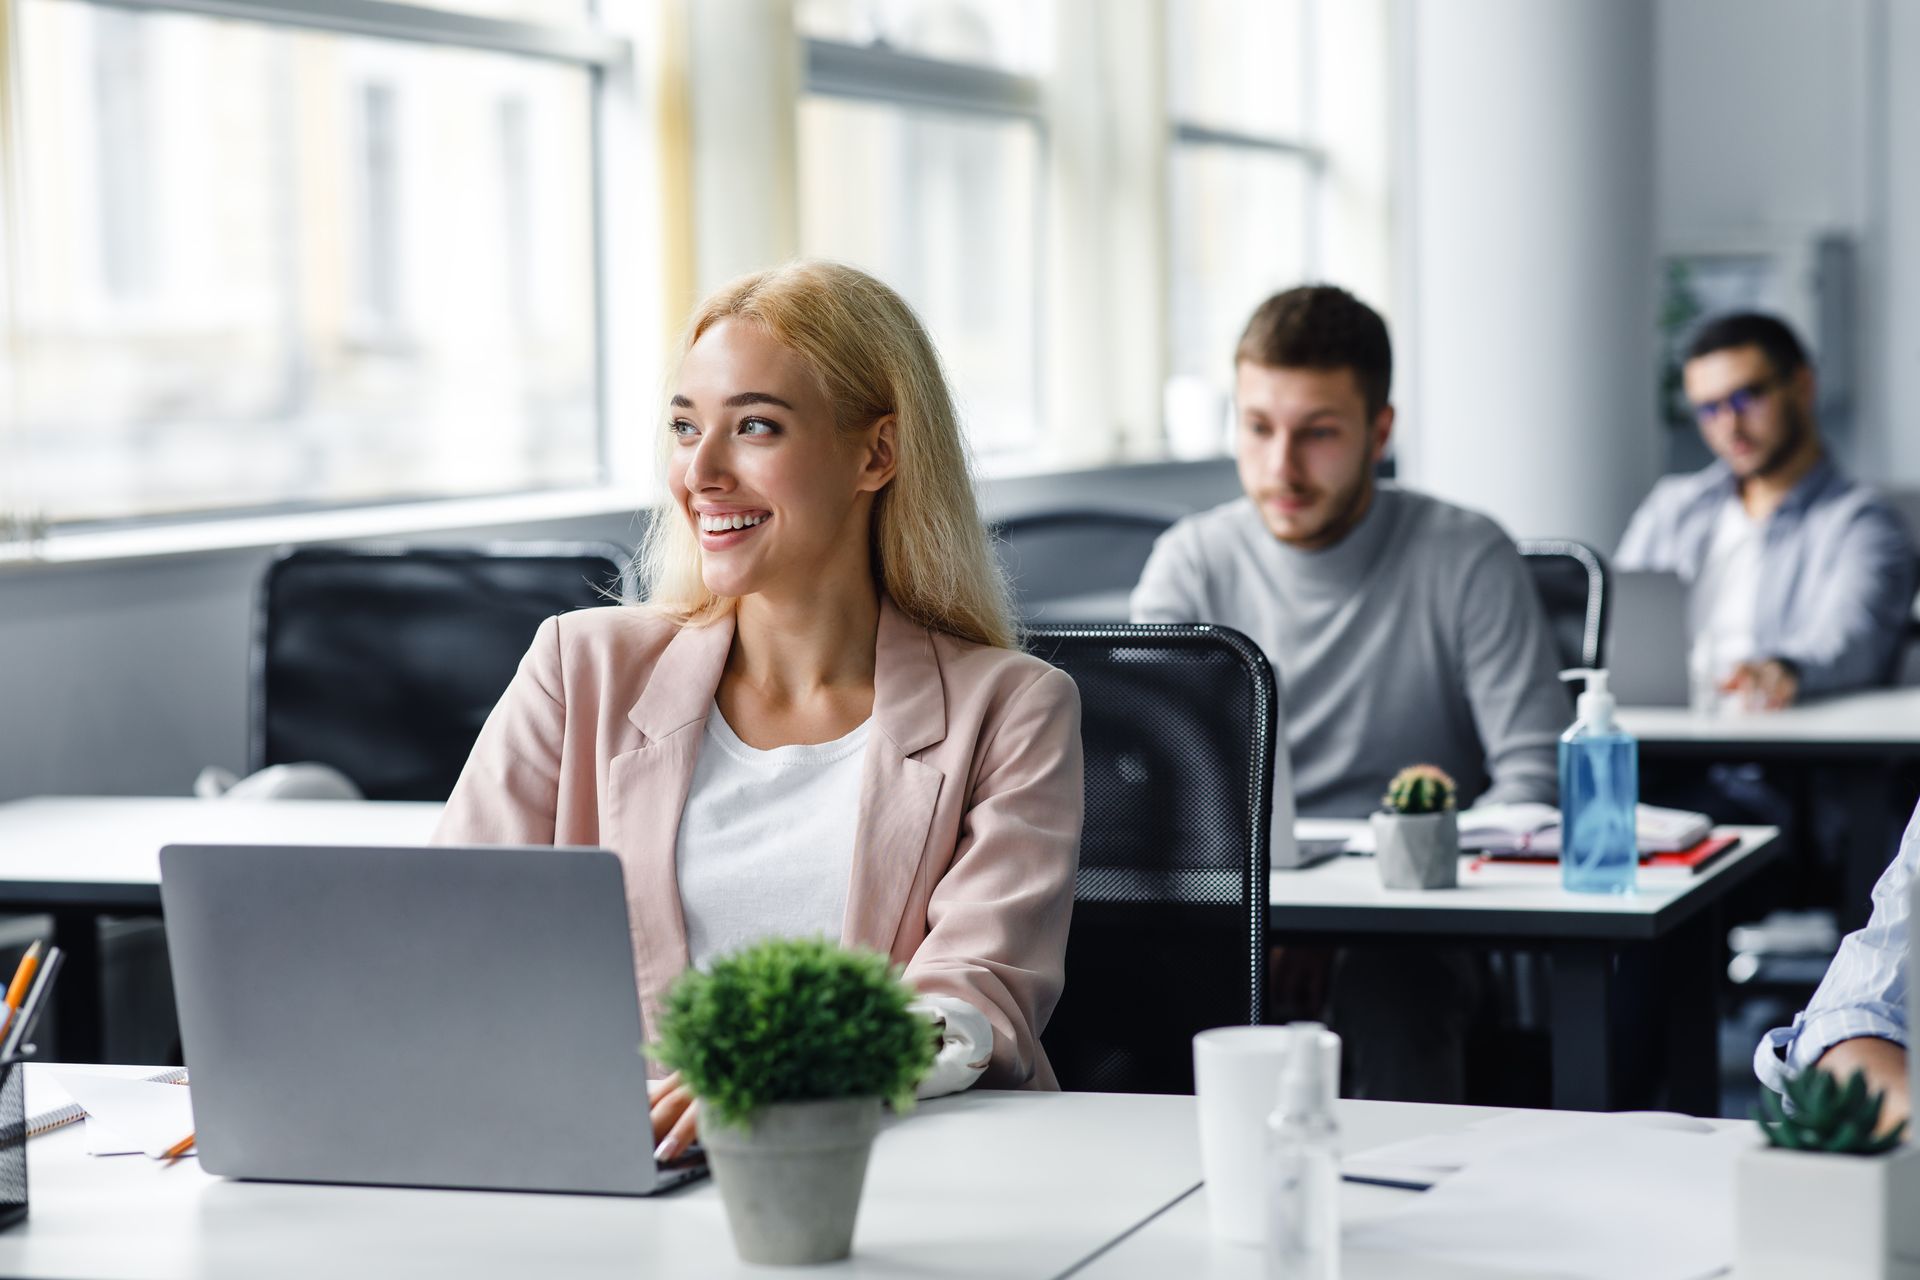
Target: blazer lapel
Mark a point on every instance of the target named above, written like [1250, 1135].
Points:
[647, 790]
[897, 792]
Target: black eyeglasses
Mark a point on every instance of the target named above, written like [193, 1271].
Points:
[1738, 402]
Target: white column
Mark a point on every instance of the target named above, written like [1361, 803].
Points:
[1531, 302]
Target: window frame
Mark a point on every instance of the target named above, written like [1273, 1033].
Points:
[609, 59]
[877, 74]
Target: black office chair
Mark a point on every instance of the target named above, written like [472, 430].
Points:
[385, 662]
[1170, 913]
[1076, 565]
[1572, 581]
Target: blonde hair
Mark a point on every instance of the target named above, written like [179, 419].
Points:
[931, 552]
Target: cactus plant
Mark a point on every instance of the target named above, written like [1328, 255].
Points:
[1419, 788]
[1822, 1115]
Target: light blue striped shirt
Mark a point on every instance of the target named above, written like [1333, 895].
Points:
[1865, 990]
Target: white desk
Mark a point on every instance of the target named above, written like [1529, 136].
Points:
[78, 857]
[1874, 733]
[1871, 722]
[1178, 1242]
[980, 1185]
[1524, 906]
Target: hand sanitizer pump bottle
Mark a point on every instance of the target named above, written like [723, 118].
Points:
[1599, 792]
[1303, 1167]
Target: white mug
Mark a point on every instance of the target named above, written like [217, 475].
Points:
[1236, 1073]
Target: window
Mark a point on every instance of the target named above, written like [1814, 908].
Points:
[266, 266]
[1242, 190]
[921, 153]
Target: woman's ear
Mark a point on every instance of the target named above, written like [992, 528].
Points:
[880, 459]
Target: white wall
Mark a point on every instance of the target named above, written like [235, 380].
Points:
[1787, 117]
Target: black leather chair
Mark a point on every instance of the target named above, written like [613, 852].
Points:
[1170, 913]
[384, 662]
[1572, 581]
[1076, 565]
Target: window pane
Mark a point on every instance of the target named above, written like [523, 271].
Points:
[1239, 231]
[263, 266]
[1013, 35]
[1238, 64]
[945, 209]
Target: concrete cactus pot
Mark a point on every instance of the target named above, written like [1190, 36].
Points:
[1799, 1214]
[791, 1181]
[1417, 850]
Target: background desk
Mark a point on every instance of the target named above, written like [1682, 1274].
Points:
[1524, 906]
[79, 857]
[980, 1185]
[1875, 734]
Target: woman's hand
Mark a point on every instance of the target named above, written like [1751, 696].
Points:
[676, 1116]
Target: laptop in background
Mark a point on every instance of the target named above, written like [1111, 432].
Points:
[1648, 639]
[422, 1017]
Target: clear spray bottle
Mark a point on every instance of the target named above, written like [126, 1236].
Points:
[1303, 1164]
[1599, 795]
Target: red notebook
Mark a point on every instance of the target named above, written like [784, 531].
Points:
[1693, 860]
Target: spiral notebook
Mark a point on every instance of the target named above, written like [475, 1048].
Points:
[57, 1109]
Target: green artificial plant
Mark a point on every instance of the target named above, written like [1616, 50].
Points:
[1820, 1114]
[1419, 788]
[794, 1020]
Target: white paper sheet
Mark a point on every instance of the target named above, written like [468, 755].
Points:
[1431, 1158]
[1612, 1202]
[130, 1115]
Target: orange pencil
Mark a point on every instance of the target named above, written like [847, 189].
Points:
[178, 1149]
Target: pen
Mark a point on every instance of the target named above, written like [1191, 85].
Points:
[22, 1026]
[22, 979]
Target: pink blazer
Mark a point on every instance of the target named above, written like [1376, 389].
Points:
[968, 835]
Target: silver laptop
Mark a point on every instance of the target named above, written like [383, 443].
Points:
[422, 1017]
[1648, 639]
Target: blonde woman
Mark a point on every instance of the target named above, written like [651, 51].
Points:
[817, 724]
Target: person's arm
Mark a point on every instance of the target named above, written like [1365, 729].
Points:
[997, 920]
[509, 790]
[1647, 545]
[1863, 997]
[1846, 635]
[1173, 584]
[1519, 706]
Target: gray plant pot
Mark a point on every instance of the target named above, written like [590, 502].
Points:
[791, 1181]
[1417, 851]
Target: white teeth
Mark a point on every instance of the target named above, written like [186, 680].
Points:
[722, 524]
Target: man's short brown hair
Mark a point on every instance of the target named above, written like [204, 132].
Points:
[1320, 326]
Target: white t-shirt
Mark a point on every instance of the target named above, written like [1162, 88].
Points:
[766, 840]
[1727, 591]
[765, 849]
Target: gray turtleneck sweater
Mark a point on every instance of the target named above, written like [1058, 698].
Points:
[1418, 638]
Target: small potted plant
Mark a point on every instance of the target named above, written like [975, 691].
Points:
[1416, 834]
[792, 1046]
[1828, 1195]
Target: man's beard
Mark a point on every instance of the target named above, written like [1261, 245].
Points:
[1798, 427]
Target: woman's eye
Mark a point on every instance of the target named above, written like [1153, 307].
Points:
[682, 428]
[758, 427]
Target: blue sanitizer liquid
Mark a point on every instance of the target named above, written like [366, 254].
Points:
[1599, 791]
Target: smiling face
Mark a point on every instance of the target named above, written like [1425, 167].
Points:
[1306, 449]
[776, 492]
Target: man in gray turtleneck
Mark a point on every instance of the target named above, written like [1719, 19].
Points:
[1402, 630]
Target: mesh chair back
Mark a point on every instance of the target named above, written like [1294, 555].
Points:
[384, 662]
[1572, 581]
[1170, 913]
[1076, 566]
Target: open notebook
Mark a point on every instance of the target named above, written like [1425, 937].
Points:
[49, 1106]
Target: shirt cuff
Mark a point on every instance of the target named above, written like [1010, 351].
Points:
[966, 1045]
[1785, 1052]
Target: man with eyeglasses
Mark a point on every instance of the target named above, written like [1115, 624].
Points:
[1801, 580]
